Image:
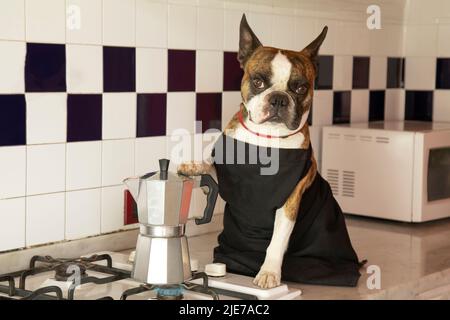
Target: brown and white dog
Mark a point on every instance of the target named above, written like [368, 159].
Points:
[277, 92]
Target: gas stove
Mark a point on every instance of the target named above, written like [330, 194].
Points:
[107, 276]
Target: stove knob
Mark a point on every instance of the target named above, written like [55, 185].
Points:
[216, 269]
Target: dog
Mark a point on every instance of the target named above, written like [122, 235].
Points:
[277, 93]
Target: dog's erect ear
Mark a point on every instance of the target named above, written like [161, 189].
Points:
[248, 42]
[313, 48]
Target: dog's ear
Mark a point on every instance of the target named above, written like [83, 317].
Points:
[248, 42]
[313, 48]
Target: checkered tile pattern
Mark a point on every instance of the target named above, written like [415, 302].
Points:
[84, 106]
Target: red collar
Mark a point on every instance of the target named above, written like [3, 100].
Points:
[241, 120]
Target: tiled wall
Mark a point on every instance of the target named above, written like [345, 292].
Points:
[427, 51]
[83, 108]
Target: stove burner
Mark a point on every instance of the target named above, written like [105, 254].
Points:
[174, 292]
[68, 270]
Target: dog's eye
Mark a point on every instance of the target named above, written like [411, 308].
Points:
[301, 89]
[258, 83]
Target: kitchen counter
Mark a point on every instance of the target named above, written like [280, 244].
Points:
[413, 259]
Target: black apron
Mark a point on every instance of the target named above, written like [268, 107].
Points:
[319, 251]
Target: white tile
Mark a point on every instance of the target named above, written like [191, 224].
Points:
[232, 19]
[421, 40]
[342, 72]
[45, 168]
[322, 111]
[261, 24]
[443, 45]
[420, 73]
[46, 117]
[12, 19]
[151, 70]
[378, 73]
[83, 165]
[117, 161]
[151, 24]
[182, 27]
[119, 22]
[210, 28]
[148, 152]
[45, 218]
[12, 171]
[395, 42]
[304, 32]
[180, 113]
[84, 21]
[282, 35]
[359, 110]
[12, 67]
[231, 102]
[83, 213]
[209, 71]
[441, 108]
[394, 104]
[423, 12]
[12, 228]
[119, 115]
[84, 69]
[45, 21]
[112, 218]
[347, 32]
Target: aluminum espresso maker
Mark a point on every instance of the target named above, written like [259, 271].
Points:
[163, 199]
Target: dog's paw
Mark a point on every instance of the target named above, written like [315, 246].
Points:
[190, 168]
[267, 279]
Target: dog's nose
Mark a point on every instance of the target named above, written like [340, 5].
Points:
[279, 100]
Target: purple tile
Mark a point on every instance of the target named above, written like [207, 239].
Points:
[232, 72]
[12, 120]
[181, 75]
[443, 73]
[395, 73]
[209, 110]
[419, 105]
[324, 79]
[151, 114]
[341, 106]
[119, 69]
[84, 117]
[361, 66]
[376, 105]
[45, 68]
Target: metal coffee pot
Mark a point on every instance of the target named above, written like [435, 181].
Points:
[163, 199]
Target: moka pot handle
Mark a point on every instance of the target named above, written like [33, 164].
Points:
[213, 191]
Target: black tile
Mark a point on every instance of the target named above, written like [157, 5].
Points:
[232, 72]
[181, 75]
[324, 79]
[376, 105]
[119, 69]
[45, 68]
[209, 110]
[12, 120]
[395, 73]
[84, 117]
[341, 106]
[443, 73]
[361, 69]
[419, 105]
[151, 114]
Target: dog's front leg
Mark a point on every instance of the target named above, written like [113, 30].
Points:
[269, 275]
[198, 168]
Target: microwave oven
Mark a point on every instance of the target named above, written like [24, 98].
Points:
[390, 170]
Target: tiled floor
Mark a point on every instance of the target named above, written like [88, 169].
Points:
[414, 260]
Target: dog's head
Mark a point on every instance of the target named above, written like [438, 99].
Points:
[277, 86]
